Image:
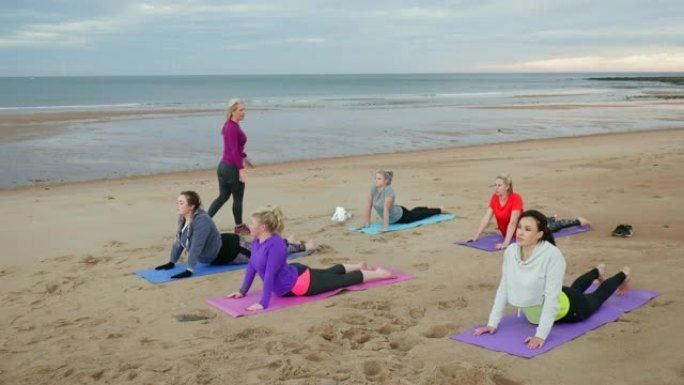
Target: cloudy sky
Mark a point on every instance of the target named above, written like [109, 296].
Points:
[123, 37]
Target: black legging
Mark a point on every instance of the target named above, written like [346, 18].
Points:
[229, 183]
[322, 280]
[557, 224]
[418, 213]
[582, 304]
[230, 248]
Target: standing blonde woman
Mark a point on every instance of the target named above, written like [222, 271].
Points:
[231, 171]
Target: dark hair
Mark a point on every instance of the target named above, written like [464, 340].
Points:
[193, 199]
[542, 224]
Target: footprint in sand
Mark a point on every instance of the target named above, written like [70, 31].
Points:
[354, 319]
[421, 266]
[91, 260]
[374, 371]
[115, 244]
[417, 312]
[658, 302]
[333, 261]
[251, 333]
[200, 315]
[323, 248]
[458, 303]
[284, 347]
[440, 287]
[372, 305]
[440, 331]
[402, 344]
[464, 373]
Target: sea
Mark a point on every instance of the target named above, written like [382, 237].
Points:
[297, 117]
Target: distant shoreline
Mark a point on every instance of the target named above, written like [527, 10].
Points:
[678, 80]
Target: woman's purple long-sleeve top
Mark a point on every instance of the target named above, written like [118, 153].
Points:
[269, 259]
[234, 141]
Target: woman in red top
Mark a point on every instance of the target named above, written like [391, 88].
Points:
[506, 207]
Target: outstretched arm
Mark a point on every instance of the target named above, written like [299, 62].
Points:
[510, 230]
[387, 205]
[369, 207]
[483, 223]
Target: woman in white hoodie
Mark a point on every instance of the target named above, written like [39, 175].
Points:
[532, 280]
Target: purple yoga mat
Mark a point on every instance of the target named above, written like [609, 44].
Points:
[488, 242]
[513, 330]
[238, 307]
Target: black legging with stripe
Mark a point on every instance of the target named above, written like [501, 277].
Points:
[235, 250]
[582, 304]
[418, 213]
[322, 280]
[557, 224]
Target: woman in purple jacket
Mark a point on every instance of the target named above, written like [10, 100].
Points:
[269, 260]
[231, 171]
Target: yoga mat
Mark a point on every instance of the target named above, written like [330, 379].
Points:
[513, 330]
[161, 276]
[238, 307]
[374, 229]
[488, 242]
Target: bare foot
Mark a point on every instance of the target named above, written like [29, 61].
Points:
[383, 273]
[601, 267]
[311, 245]
[584, 221]
[441, 209]
[625, 285]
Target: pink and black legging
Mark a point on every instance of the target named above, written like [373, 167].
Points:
[315, 281]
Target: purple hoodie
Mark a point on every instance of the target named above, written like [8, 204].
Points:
[269, 259]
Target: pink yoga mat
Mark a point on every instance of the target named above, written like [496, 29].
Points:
[238, 307]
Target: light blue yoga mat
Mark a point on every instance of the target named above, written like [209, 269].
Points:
[374, 229]
[161, 276]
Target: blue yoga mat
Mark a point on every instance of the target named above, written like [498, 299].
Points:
[374, 229]
[161, 276]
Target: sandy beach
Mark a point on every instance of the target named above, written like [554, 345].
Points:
[75, 313]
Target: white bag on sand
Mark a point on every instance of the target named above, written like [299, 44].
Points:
[341, 214]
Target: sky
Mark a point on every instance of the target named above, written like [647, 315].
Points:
[150, 37]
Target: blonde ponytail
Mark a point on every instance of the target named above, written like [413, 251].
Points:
[272, 218]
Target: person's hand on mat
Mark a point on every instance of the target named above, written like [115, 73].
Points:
[500, 246]
[383, 230]
[166, 266]
[185, 274]
[243, 175]
[255, 307]
[483, 330]
[235, 295]
[534, 342]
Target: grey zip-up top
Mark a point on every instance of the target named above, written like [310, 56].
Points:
[201, 239]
